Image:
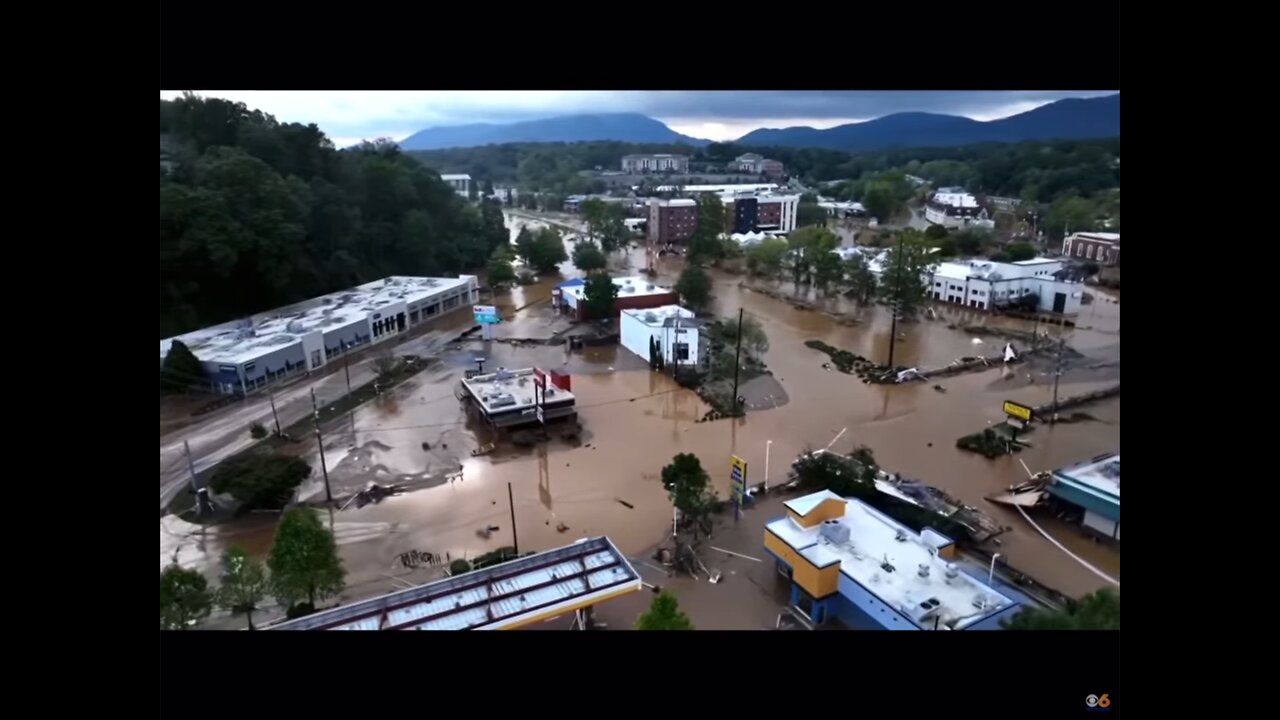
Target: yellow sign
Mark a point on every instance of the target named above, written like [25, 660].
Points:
[737, 477]
[1013, 409]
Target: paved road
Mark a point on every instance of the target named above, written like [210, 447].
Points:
[226, 432]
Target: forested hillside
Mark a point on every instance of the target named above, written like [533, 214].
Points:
[1034, 170]
[255, 214]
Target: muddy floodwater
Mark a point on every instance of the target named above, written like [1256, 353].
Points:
[634, 421]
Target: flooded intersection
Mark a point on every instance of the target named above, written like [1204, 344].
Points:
[634, 420]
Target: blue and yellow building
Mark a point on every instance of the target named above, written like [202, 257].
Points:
[847, 560]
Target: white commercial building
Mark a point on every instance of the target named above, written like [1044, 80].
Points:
[244, 355]
[675, 329]
[952, 207]
[987, 285]
[461, 184]
[655, 163]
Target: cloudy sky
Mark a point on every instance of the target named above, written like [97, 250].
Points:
[351, 116]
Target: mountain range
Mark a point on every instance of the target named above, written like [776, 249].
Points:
[1073, 118]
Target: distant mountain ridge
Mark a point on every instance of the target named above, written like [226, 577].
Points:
[623, 127]
[1069, 119]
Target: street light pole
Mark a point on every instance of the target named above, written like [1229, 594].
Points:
[992, 574]
[767, 445]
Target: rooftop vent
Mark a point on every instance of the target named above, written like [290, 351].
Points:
[952, 571]
[924, 570]
[901, 535]
[834, 531]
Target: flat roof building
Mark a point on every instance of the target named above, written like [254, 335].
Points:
[662, 162]
[530, 396]
[244, 355]
[1100, 247]
[989, 285]
[847, 560]
[676, 331]
[1093, 486]
[952, 207]
[634, 292]
[461, 183]
[507, 596]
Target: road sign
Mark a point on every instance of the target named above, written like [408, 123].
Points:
[1017, 410]
[486, 314]
[541, 418]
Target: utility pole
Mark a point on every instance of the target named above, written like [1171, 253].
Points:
[1057, 375]
[737, 354]
[511, 501]
[897, 302]
[191, 467]
[274, 416]
[346, 367]
[315, 410]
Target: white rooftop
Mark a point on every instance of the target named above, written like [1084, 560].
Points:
[239, 341]
[876, 541]
[1111, 237]
[1101, 473]
[745, 187]
[508, 595]
[658, 317]
[511, 390]
[633, 286]
[456, 176]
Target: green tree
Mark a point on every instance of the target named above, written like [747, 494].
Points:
[862, 282]
[605, 223]
[935, 232]
[694, 287]
[599, 295]
[473, 190]
[548, 250]
[903, 283]
[688, 486]
[488, 188]
[807, 244]
[754, 340]
[257, 431]
[765, 257]
[180, 370]
[1016, 252]
[828, 271]
[304, 560]
[260, 481]
[185, 599]
[704, 244]
[588, 258]
[526, 242]
[1098, 610]
[808, 212]
[244, 582]
[664, 614]
[973, 241]
[1068, 215]
[500, 272]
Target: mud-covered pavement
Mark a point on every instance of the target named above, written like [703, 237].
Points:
[635, 420]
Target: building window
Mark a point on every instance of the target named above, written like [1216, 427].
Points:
[1089, 253]
[1080, 251]
[315, 359]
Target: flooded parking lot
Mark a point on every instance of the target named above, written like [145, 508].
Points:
[634, 420]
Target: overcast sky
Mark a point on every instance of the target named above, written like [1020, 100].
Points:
[351, 116]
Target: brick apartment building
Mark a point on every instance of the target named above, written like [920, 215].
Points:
[757, 164]
[672, 221]
[1102, 248]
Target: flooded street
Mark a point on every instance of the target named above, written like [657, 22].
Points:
[634, 421]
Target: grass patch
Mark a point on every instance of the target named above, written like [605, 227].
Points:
[991, 442]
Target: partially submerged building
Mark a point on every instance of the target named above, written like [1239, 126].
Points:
[849, 561]
[245, 355]
[952, 207]
[514, 398]
[1100, 247]
[635, 292]
[1092, 486]
[508, 596]
[675, 330]
[982, 284]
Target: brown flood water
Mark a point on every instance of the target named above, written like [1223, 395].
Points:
[635, 420]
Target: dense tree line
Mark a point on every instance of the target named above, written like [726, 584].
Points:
[1040, 171]
[255, 214]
